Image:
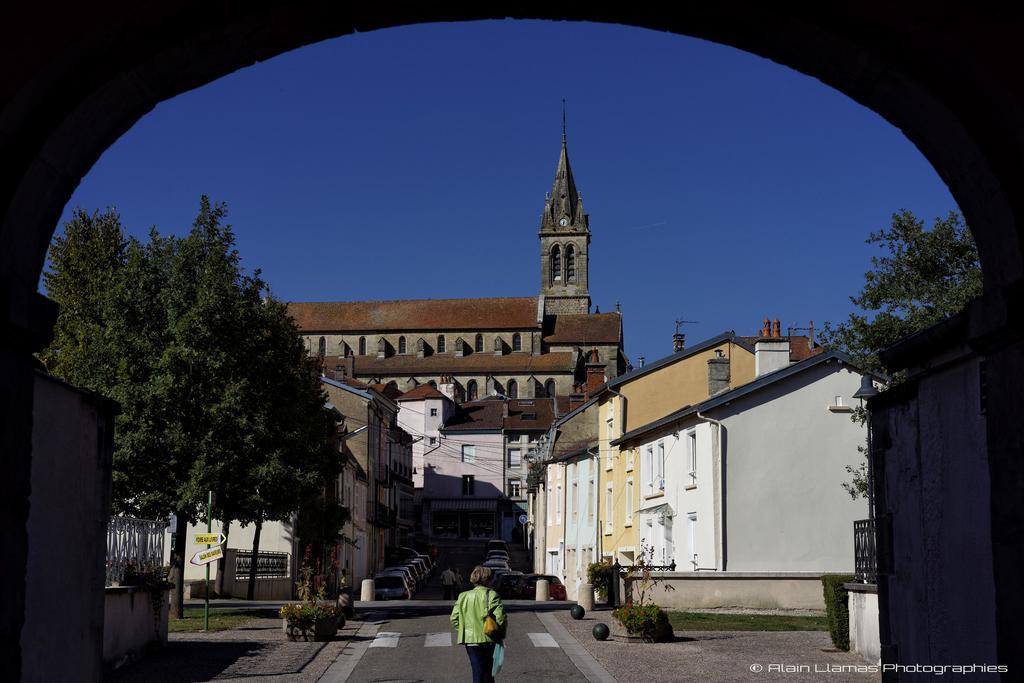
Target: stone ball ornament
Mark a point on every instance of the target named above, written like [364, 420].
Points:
[577, 612]
[600, 631]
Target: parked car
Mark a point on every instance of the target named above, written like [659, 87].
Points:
[528, 587]
[403, 571]
[391, 587]
[496, 544]
[420, 562]
[507, 585]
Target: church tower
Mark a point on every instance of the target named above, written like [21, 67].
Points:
[564, 244]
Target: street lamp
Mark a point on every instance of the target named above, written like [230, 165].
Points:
[867, 390]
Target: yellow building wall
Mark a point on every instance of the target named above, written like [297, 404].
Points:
[650, 398]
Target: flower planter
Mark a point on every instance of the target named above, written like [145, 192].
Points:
[321, 630]
[659, 629]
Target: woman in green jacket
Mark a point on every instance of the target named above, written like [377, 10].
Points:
[468, 619]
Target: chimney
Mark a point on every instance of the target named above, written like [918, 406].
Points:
[641, 359]
[595, 372]
[446, 386]
[766, 329]
[776, 329]
[771, 351]
[578, 396]
[810, 334]
[678, 341]
[718, 375]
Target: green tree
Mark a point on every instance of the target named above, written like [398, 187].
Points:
[211, 387]
[923, 277]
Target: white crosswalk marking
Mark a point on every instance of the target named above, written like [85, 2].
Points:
[439, 639]
[542, 640]
[386, 639]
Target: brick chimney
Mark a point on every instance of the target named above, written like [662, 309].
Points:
[771, 350]
[718, 375]
[595, 372]
[766, 328]
[446, 386]
[776, 328]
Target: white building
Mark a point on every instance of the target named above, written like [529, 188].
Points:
[750, 480]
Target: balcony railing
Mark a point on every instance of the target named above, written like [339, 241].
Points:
[865, 554]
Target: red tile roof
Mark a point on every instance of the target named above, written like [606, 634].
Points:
[485, 414]
[520, 409]
[427, 314]
[594, 328]
[476, 363]
[421, 392]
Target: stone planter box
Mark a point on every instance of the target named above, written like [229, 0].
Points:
[323, 630]
[619, 632]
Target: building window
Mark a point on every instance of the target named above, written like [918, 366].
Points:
[433, 441]
[691, 455]
[514, 437]
[471, 390]
[440, 343]
[629, 502]
[432, 383]
[609, 511]
[648, 471]
[323, 346]
[517, 342]
[362, 346]
[659, 483]
[478, 346]
[515, 488]
[549, 388]
[513, 389]
[515, 457]
[401, 345]
[556, 264]
[630, 459]
[433, 412]
[570, 264]
[468, 484]
[469, 454]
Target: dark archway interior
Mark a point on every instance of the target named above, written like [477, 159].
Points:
[78, 77]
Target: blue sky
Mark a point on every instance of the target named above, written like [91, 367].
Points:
[413, 162]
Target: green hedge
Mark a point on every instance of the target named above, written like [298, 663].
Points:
[837, 608]
[598, 575]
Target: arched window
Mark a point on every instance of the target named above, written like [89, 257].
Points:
[362, 346]
[549, 388]
[556, 264]
[432, 383]
[471, 390]
[401, 345]
[440, 343]
[513, 389]
[570, 264]
[479, 345]
[517, 342]
[323, 346]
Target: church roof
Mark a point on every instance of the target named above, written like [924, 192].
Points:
[508, 313]
[513, 363]
[593, 328]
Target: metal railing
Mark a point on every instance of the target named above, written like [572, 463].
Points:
[131, 541]
[865, 552]
[269, 565]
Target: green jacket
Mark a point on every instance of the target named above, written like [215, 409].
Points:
[470, 610]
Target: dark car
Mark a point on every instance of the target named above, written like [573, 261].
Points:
[507, 585]
[528, 587]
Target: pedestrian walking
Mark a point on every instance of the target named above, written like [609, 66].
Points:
[480, 622]
[459, 582]
[448, 579]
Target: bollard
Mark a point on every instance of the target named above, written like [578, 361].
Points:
[585, 597]
[542, 590]
[366, 591]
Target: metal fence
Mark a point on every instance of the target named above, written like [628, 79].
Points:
[133, 541]
[269, 565]
[865, 556]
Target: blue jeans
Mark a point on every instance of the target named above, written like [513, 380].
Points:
[481, 659]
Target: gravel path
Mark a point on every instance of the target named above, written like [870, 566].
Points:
[718, 655]
[255, 651]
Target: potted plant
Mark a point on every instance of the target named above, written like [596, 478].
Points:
[641, 618]
[315, 618]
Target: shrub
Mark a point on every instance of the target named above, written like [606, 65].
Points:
[650, 622]
[598, 575]
[837, 608]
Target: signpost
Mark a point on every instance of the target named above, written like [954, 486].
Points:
[207, 556]
[207, 539]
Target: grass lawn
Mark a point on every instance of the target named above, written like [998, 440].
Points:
[700, 621]
[220, 619]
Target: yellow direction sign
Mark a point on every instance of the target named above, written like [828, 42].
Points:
[210, 539]
[207, 556]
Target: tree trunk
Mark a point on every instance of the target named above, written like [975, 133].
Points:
[222, 562]
[250, 594]
[177, 573]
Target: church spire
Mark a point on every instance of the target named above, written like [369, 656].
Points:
[563, 209]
